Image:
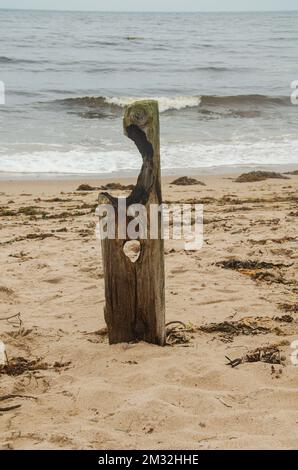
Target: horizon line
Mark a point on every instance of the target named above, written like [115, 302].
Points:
[148, 11]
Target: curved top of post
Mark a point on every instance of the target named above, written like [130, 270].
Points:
[143, 114]
[141, 124]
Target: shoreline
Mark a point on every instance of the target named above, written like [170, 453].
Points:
[225, 170]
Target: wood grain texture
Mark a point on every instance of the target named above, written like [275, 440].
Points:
[134, 292]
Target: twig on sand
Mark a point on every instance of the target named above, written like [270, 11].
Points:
[11, 395]
[234, 362]
[9, 408]
[223, 402]
[17, 316]
[177, 322]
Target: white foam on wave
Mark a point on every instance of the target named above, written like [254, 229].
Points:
[73, 161]
[165, 103]
[173, 156]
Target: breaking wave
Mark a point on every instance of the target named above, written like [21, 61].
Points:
[167, 103]
[81, 160]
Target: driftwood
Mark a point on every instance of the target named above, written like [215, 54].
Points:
[134, 290]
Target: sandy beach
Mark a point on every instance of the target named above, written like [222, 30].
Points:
[87, 394]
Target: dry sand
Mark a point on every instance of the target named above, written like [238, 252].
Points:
[141, 396]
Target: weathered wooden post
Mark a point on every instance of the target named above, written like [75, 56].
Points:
[134, 291]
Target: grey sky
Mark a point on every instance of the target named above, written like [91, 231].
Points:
[153, 5]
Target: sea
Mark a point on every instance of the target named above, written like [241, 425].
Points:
[223, 82]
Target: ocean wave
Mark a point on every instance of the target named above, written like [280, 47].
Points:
[81, 160]
[240, 100]
[82, 101]
[178, 103]
[221, 113]
[213, 68]
[203, 45]
[103, 43]
[141, 67]
[13, 60]
[5, 60]
[166, 103]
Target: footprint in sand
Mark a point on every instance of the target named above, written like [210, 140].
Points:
[93, 271]
[178, 270]
[6, 294]
[53, 280]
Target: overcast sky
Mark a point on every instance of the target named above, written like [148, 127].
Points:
[153, 5]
